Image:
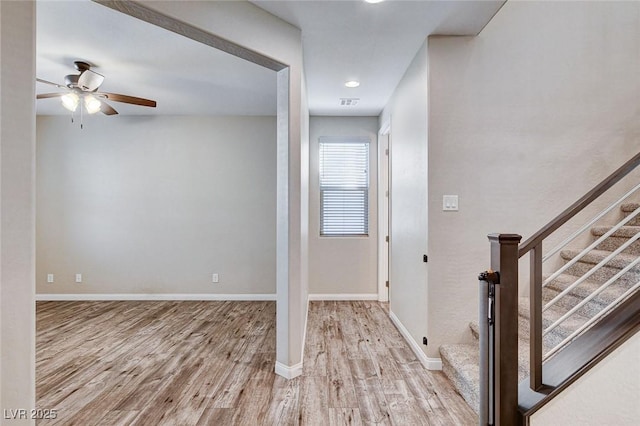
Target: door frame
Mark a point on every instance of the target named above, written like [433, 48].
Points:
[384, 211]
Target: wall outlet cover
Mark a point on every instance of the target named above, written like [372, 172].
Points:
[450, 203]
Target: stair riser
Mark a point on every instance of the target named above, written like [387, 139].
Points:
[551, 339]
[468, 390]
[523, 358]
[603, 274]
[613, 243]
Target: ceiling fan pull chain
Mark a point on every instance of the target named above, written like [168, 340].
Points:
[81, 116]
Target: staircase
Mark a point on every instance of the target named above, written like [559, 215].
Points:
[461, 361]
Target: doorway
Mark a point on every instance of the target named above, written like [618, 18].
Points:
[282, 149]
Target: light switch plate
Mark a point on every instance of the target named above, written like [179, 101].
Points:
[450, 203]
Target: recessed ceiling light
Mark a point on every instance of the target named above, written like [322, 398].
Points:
[352, 83]
[374, 1]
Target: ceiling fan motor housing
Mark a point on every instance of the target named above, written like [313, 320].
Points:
[71, 80]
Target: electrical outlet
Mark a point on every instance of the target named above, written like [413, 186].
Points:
[49, 278]
[78, 278]
[214, 278]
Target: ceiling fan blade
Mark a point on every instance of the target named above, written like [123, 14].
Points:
[39, 80]
[128, 99]
[107, 109]
[49, 95]
[90, 80]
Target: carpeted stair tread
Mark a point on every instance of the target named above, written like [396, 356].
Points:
[560, 332]
[596, 256]
[585, 265]
[629, 208]
[582, 291]
[619, 237]
[461, 364]
[624, 231]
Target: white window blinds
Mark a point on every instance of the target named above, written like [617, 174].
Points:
[344, 186]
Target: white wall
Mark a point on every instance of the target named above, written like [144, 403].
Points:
[524, 119]
[342, 265]
[606, 395]
[407, 112]
[17, 211]
[303, 296]
[155, 205]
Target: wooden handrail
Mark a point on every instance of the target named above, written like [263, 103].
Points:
[576, 207]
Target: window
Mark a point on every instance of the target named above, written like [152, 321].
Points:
[344, 186]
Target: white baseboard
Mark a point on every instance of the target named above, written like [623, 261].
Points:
[304, 333]
[288, 372]
[150, 297]
[345, 296]
[428, 363]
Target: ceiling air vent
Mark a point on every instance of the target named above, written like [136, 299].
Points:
[349, 101]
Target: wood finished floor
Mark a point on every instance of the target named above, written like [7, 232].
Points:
[211, 363]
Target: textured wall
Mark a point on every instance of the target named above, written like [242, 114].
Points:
[17, 211]
[156, 205]
[524, 119]
[407, 113]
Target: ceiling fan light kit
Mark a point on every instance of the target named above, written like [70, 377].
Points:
[82, 89]
[70, 101]
[91, 104]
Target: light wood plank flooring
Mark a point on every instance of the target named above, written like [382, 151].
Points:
[211, 363]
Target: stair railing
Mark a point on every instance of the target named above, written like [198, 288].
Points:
[499, 303]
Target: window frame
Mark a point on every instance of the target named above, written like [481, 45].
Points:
[364, 189]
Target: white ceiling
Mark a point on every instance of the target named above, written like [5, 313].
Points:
[371, 43]
[140, 59]
[342, 40]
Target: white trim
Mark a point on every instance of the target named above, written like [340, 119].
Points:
[428, 363]
[385, 129]
[383, 213]
[288, 372]
[345, 296]
[304, 334]
[147, 297]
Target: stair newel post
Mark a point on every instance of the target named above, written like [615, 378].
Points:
[504, 350]
[535, 318]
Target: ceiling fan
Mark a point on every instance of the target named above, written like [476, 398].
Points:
[84, 87]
